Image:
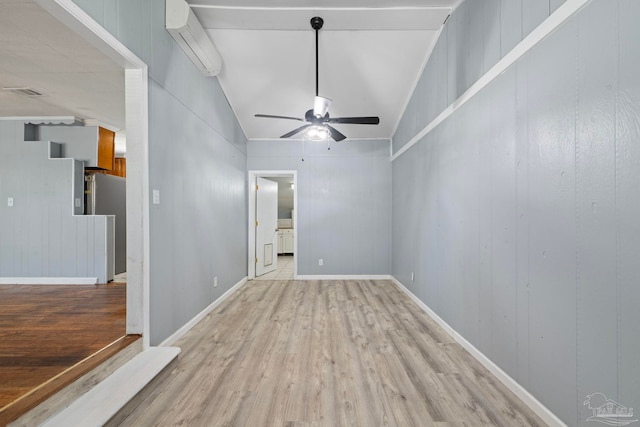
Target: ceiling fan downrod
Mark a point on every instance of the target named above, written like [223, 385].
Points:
[318, 120]
[316, 24]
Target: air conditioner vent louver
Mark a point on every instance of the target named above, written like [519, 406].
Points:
[24, 91]
[184, 27]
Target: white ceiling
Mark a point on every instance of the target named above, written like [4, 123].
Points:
[39, 52]
[371, 55]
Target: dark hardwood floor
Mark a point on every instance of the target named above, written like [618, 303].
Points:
[46, 330]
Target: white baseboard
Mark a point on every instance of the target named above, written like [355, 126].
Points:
[198, 317]
[542, 411]
[48, 280]
[345, 277]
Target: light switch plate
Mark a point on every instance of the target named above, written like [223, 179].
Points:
[10, 202]
[156, 197]
[78, 202]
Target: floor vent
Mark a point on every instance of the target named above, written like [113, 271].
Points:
[24, 91]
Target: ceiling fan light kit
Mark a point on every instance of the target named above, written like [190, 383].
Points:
[318, 118]
[318, 133]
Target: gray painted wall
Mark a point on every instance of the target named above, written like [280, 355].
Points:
[344, 202]
[39, 235]
[476, 36]
[80, 142]
[197, 160]
[519, 213]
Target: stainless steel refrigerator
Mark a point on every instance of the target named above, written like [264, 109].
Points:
[106, 195]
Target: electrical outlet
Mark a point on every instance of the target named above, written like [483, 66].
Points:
[413, 277]
[215, 281]
[320, 262]
[10, 202]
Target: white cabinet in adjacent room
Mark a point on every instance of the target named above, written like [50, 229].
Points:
[280, 243]
[285, 241]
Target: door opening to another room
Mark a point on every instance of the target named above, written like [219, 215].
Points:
[266, 226]
[272, 225]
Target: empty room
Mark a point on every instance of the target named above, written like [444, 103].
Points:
[336, 213]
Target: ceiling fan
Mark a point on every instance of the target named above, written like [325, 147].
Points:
[318, 118]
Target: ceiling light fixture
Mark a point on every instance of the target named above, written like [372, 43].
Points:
[318, 127]
[317, 133]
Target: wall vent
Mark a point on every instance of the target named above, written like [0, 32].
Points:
[24, 91]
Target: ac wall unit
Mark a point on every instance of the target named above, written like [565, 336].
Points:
[185, 28]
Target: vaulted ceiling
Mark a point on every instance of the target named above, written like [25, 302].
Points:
[371, 54]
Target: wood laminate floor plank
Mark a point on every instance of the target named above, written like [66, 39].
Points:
[325, 353]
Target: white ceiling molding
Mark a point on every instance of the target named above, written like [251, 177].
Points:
[336, 19]
[93, 122]
[327, 4]
[47, 120]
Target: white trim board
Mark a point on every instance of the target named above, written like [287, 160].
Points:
[549, 25]
[345, 277]
[198, 317]
[48, 280]
[102, 402]
[85, 26]
[527, 398]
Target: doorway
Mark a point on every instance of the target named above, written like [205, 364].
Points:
[135, 296]
[285, 232]
[137, 128]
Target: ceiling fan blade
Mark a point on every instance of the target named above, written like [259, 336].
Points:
[321, 106]
[293, 132]
[335, 133]
[269, 116]
[355, 120]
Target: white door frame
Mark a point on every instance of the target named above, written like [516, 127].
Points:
[253, 174]
[137, 127]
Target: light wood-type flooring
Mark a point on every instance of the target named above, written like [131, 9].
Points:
[324, 353]
[46, 330]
